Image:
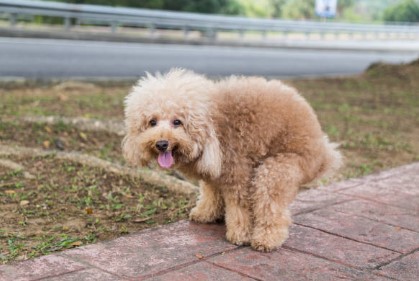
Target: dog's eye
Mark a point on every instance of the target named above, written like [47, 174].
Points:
[153, 122]
[177, 122]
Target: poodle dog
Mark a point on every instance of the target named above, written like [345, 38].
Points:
[250, 142]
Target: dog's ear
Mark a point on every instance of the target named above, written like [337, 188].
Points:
[131, 152]
[210, 160]
[128, 150]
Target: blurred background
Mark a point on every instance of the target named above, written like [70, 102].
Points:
[345, 10]
[125, 38]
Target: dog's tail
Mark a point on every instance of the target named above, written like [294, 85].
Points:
[332, 162]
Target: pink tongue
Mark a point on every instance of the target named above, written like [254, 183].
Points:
[165, 159]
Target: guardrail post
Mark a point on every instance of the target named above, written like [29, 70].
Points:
[67, 23]
[114, 26]
[241, 34]
[13, 19]
[264, 35]
[151, 30]
[210, 33]
[185, 32]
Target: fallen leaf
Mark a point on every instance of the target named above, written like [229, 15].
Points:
[139, 220]
[89, 211]
[24, 203]
[21, 257]
[199, 256]
[127, 195]
[77, 243]
[9, 191]
[28, 176]
[48, 129]
[46, 144]
[83, 136]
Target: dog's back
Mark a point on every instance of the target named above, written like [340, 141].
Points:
[257, 119]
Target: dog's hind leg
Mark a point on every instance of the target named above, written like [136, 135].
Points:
[210, 205]
[275, 185]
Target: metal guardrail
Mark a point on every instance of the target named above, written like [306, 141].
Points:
[208, 24]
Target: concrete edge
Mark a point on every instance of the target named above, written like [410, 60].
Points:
[354, 45]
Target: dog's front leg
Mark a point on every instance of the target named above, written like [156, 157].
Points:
[237, 216]
[210, 205]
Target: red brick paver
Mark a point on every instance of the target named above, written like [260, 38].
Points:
[156, 250]
[202, 271]
[391, 215]
[337, 248]
[91, 274]
[407, 268]
[361, 229]
[289, 265]
[42, 267]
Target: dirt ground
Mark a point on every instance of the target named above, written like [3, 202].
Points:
[50, 200]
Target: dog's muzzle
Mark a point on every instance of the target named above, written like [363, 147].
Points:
[162, 145]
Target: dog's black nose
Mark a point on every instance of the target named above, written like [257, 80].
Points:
[162, 145]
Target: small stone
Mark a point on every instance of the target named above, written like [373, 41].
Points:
[59, 144]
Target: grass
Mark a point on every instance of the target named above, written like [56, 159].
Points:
[62, 136]
[373, 116]
[67, 204]
[66, 99]
[53, 205]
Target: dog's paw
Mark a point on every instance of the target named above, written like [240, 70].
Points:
[262, 246]
[202, 216]
[238, 238]
[268, 239]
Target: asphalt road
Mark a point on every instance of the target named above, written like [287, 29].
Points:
[45, 58]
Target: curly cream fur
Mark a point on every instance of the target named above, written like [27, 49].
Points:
[250, 141]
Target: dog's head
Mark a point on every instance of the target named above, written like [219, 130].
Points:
[168, 120]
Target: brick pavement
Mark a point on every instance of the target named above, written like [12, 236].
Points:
[361, 229]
